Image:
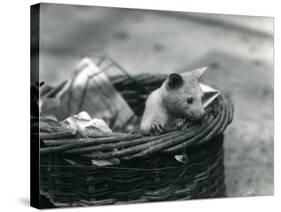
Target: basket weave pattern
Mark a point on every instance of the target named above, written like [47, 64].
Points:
[148, 170]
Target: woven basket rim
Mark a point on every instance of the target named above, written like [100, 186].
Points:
[125, 146]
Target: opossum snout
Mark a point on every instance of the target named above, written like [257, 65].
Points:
[197, 114]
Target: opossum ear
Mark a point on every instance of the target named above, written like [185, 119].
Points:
[174, 81]
[198, 73]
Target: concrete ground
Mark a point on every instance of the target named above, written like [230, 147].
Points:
[240, 60]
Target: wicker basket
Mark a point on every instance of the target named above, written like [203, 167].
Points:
[148, 170]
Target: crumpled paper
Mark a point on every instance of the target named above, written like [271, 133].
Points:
[181, 158]
[89, 89]
[83, 120]
[209, 94]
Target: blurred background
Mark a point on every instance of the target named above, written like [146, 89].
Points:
[237, 49]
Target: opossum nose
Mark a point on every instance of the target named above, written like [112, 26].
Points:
[201, 114]
[198, 114]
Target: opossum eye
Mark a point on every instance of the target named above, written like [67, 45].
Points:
[189, 100]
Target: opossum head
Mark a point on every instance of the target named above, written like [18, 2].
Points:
[182, 94]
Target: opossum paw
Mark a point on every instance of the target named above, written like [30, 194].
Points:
[180, 122]
[157, 128]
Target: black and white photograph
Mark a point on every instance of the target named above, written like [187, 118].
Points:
[140, 106]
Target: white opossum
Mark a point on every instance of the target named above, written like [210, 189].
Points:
[179, 97]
